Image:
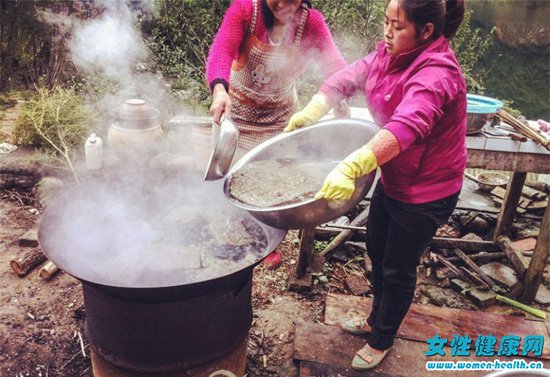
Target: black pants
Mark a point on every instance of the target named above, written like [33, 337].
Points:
[397, 235]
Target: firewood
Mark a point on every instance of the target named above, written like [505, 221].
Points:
[48, 270]
[539, 186]
[478, 270]
[483, 256]
[500, 193]
[475, 278]
[538, 205]
[26, 260]
[463, 244]
[457, 271]
[346, 234]
[533, 194]
[29, 239]
[512, 254]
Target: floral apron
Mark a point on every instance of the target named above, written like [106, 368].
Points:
[262, 86]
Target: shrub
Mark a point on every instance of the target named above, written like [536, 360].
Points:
[180, 36]
[53, 118]
[470, 44]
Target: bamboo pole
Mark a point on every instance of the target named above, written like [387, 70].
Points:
[519, 305]
[525, 129]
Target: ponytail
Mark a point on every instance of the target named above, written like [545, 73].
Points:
[453, 17]
[445, 15]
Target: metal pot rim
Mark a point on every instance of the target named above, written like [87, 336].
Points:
[289, 216]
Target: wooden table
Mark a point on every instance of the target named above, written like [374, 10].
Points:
[497, 153]
[493, 153]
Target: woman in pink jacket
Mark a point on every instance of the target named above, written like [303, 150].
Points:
[260, 50]
[416, 91]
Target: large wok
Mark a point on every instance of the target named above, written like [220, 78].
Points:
[326, 141]
[124, 231]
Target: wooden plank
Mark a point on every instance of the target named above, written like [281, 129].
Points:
[451, 243]
[311, 369]
[306, 249]
[334, 349]
[535, 206]
[508, 211]
[533, 275]
[500, 202]
[532, 193]
[345, 234]
[483, 256]
[519, 162]
[513, 256]
[491, 284]
[424, 321]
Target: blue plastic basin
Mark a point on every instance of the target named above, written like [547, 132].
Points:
[482, 105]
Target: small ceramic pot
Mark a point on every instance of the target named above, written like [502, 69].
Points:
[135, 132]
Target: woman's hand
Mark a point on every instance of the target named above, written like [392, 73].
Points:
[314, 110]
[544, 125]
[340, 182]
[221, 103]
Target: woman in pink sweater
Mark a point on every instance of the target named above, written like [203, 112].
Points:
[260, 50]
[416, 92]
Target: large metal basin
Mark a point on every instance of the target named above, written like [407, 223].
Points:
[330, 140]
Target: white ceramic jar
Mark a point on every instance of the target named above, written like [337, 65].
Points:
[135, 132]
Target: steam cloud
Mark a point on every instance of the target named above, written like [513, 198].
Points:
[130, 229]
[108, 45]
[112, 46]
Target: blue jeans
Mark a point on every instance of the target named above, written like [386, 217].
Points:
[397, 235]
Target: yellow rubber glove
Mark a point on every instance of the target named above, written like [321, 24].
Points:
[340, 182]
[314, 110]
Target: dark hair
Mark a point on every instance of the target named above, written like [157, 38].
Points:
[445, 15]
[267, 14]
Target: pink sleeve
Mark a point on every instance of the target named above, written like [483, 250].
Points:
[317, 37]
[421, 107]
[347, 81]
[227, 41]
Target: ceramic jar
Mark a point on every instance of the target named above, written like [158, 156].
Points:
[135, 132]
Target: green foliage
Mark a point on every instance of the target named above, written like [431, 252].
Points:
[55, 120]
[469, 45]
[319, 246]
[180, 36]
[32, 50]
[355, 24]
[52, 120]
